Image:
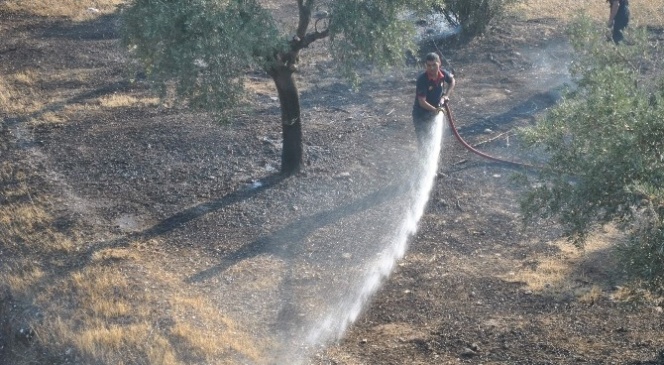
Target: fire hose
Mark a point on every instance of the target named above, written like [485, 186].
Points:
[450, 120]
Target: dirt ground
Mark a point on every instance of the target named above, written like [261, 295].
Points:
[184, 207]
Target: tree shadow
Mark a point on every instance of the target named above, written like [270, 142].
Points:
[659, 360]
[600, 267]
[169, 224]
[181, 218]
[16, 121]
[100, 28]
[528, 108]
[286, 242]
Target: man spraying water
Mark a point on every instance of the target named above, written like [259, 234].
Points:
[430, 95]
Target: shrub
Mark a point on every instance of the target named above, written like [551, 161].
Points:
[472, 15]
[605, 149]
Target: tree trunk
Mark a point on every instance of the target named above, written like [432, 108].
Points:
[289, 99]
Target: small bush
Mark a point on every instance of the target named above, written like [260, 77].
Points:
[605, 144]
[643, 253]
[472, 15]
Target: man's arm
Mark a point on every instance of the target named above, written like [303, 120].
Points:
[450, 88]
[422, 100]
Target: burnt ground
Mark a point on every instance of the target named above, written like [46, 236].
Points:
[185, 188]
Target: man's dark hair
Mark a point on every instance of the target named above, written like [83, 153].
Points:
[432, 57]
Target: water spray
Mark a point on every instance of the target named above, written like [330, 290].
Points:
[333, 326]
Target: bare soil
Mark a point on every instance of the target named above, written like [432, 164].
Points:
[182, 191]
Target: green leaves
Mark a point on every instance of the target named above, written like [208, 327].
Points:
[473, 15]
[605, 143]
[370, 32]
[200, 48]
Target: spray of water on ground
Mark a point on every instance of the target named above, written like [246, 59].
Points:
[318, 273]
[395, 242]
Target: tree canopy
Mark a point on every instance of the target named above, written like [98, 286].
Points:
[605, 148]
[204, 47]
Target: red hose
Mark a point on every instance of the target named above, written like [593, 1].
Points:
[450, 119]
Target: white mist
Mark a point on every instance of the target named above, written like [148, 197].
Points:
[377, 270]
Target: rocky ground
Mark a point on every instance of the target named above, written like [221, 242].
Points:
[185, 207]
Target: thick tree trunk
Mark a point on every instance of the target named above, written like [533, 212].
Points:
[291, 153]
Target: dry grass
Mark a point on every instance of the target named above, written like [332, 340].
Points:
[649, 12]
[561, 10]
[208, 333]
[20, 93]
[77, 10]
[111, 312]
[25, 279]
[124, 101]
[5, 95]
[98, 312]
[585, 274]
[25, 77]
[11, 99]
[25, 218]
[51, 118]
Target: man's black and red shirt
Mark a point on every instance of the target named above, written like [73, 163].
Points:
[431, 89]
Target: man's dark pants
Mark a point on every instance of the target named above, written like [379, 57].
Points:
[619, 24]
[423, 123]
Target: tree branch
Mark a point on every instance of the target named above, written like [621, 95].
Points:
[297, 43]
[305, 17]
[312, 37]
[302, 39]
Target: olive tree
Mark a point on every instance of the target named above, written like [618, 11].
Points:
[203, 49]
[605, 148]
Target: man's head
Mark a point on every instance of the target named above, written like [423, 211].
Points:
[432, 64]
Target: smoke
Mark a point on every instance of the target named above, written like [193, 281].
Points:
[549, 65]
